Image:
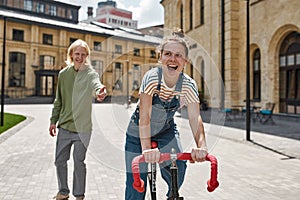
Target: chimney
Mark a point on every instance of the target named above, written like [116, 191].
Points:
[90, 12]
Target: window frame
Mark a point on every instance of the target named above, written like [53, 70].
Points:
[18, 35]
[256, 66]
[17, 62]
[118, 74]
[47, 39]
[46, 60]
[136, 52]
[118, 48]
[97, 46]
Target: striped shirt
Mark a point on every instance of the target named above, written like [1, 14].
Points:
[188, 94]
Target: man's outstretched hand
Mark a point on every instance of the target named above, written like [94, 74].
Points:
[102, 94]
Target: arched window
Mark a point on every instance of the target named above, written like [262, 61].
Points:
[16, 69]
[256, 75]
[289, 62]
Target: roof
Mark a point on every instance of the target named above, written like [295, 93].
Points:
[83, 26]
[68, 3]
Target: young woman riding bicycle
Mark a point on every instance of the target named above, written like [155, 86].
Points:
[163, 91]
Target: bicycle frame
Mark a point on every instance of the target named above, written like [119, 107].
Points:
[152, 175]
[174, 177]
[138, 183]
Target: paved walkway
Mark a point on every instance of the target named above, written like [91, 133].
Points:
[266, 168]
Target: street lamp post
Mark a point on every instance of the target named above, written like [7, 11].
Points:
[3, 72]
[248, 122]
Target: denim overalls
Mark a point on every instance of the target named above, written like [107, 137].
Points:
[163, 131]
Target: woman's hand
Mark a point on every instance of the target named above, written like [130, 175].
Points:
[199, 154]
[151, 155]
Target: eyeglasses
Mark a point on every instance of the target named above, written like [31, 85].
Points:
[170, 54]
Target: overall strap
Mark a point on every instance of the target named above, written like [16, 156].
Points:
[179, 83]
[159, 77]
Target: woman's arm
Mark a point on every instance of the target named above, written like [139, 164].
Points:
[196, 124]
[145, 116]
[150, 155]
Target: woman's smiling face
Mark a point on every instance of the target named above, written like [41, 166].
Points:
[173, 57]
[79, 55]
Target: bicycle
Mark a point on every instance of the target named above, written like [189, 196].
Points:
[138, 183]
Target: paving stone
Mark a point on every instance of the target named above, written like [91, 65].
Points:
[265, 168]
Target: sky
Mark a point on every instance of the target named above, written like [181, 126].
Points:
[147, 12]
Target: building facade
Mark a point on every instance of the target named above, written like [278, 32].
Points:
[108, 13]
[34, 48]
[218, 31]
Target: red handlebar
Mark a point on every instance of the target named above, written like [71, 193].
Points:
[138, 183]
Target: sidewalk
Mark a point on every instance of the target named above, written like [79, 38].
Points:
[266, 168]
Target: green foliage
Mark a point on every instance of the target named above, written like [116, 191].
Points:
[11, 120]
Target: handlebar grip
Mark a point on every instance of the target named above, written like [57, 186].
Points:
[212, 183]
[138, 183]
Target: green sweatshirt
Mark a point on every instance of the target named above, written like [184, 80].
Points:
[72, 107]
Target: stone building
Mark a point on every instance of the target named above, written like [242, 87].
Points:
[218, 34]
[108, 13]
[34, 38]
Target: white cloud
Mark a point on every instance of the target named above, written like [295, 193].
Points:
[148, 13]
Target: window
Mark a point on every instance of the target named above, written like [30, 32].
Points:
[16, 4]
[153, 53]
[47, 39]
[72, 40]
[191, 14]
[97, 46]
[98, 66]
[282, 61]
[136, 77]
[18, 35]
[298, 59]
[136, 52]
[52, 10]
[73, 14]
[181, 16]
[47, 62]
[291, 60]
[118, 48]
[3, 2]
[16, 69]
[256, 75]
[66, 13]
[289, 80]
[62, 12]
[201, 12]
[40, 7]
[118, 76]
[28, 5]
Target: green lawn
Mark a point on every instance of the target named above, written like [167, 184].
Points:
[11, 120]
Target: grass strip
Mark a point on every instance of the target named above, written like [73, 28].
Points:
[11, 120]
